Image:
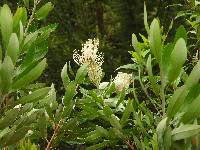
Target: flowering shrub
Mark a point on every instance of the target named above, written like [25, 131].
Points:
[161, 112]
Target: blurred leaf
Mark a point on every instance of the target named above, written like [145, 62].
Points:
[181, 33]
[177, 59]
[160, 132]
[154, 85]
[6, 23]
[13, 47]
[167, 138]
[126, 113]
[128, 66]
[26, 3]
[64, 76]
[19, 16]
[194, 77]
[9, 118]
[30, 76]
[146, 25]
[185, 131]
[81, 73]
[44, 11]
[34, 96]
[6, 71]
[155, 39]
[176, 101]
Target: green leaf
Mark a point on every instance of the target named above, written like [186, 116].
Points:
[1, 54]
[17, 135]
[146, 25]
[21, 32]
[44, 11]
[160, 132]
[181, 33]
[177, 59]
[154, 85]
[128, 66]
[19, 16]
[34, 96]
[42, 124]
[9, 118]
[185, 131]
[6, 23]
[192, 111]
[45, 32]
[30, 76]
[126, 113]
[155, 39]
[99, 145]
[135, 44]
[68, 98]
[107, 111]
[194, 77]
[13, 47]
[64, 76]
[26, 3]
[176, 101]
[114, 121]
[81, 73]
[29, 41]
[6, 72]
[167, 138]
[167, 50]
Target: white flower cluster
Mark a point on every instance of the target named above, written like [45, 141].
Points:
[122, 81]
[92, 58]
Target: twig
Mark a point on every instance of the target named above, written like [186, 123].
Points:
[36, 2]
[130, 145]
[55, 133]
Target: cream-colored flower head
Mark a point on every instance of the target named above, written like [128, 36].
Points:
[92, 58]
[122, 80]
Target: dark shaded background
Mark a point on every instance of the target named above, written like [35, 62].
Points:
[113, 21]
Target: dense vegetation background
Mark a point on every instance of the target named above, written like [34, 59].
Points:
[113, 21]
[86, 107]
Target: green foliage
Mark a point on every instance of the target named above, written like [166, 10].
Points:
[154, 107]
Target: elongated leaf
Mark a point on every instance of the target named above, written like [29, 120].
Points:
[167, 50]
[146, 25]
[185, 131]
[30, 76]
[152, 80]
[6, 71]
[160, 132]
[192, 111]
[64, 76]
[26, 3]
[176, 101]
[194, 77]
[177, 59]
[181, 33]
[135, 44]
[34, 96]
[6, 23]
[19, 16]
[155, 39]
[127, 112]
[44, 11]
[13, 47]
[9, 118]
[81, 73]
[70, 93]
[167, 138]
